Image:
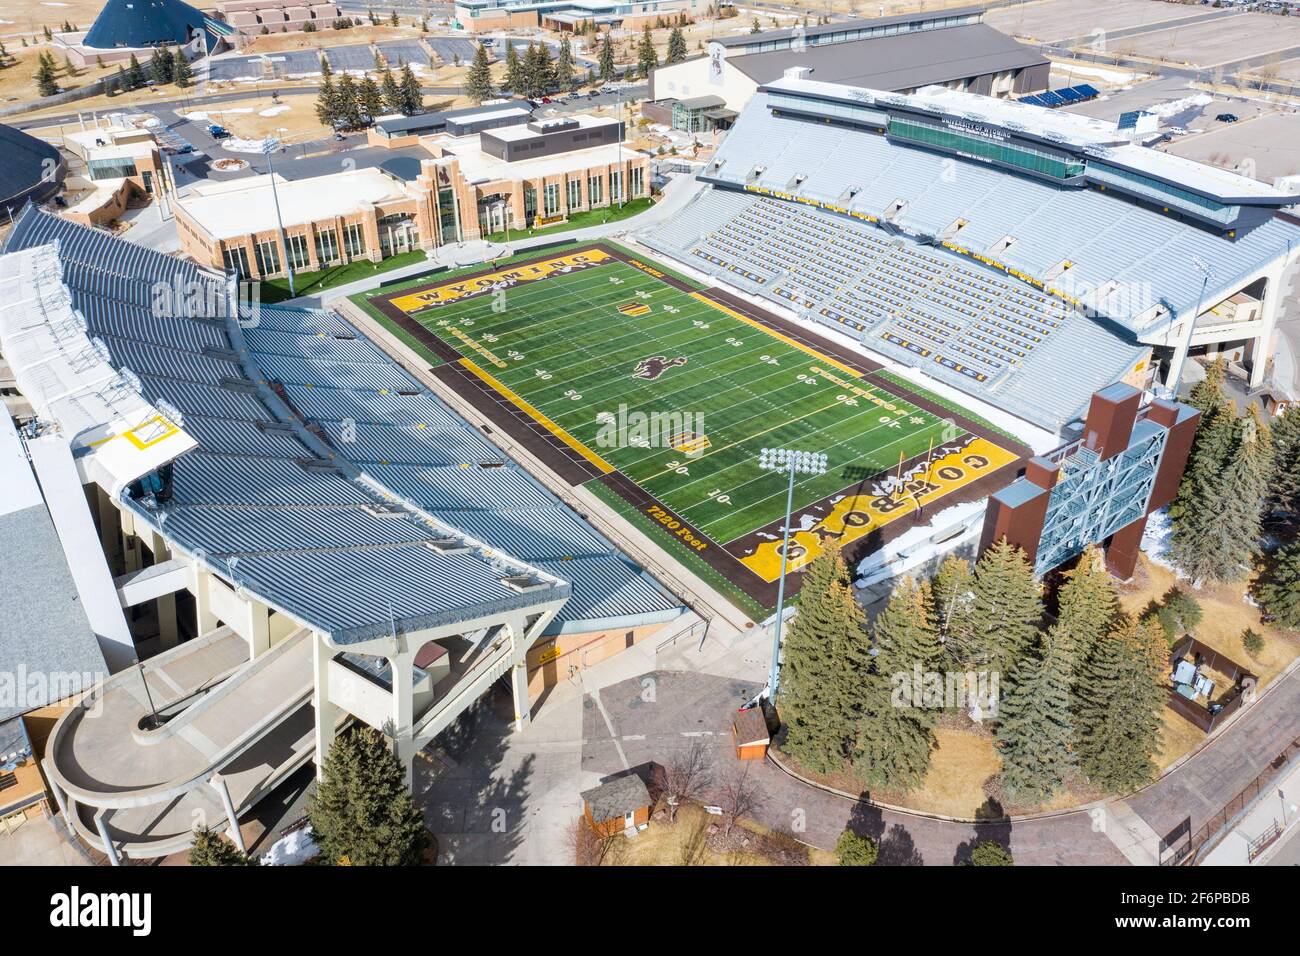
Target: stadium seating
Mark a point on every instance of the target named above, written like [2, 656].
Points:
[266, 496]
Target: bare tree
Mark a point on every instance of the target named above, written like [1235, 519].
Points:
[687, 773]
[589, 847]
[738, 797]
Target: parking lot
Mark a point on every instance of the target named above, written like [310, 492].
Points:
[1058, 20]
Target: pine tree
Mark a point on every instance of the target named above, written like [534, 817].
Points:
[606, 59]
[646, 58]
[676, 46]
[327, 102]
[212, 849]
[392, 19]
[362, 813]
[392, 92]
[45, 83]
[478, 79]
[347, 105]
[514, 72]
[825, 652]
[412, 97]
[182, 73]
[1006, 609]
[123, 80]
[1035, 726]
[991, 853]
[326, 71]
[136, 72]
[951, 591]
[852, 849]
[564, 65]
[543, 70]
[370, 98]
[1279, 588]
[905, 638]
[1087, 603]
[1285, 492]
[1119, 719]
[892, 747]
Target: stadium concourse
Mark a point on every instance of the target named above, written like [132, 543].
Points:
[1024, 256]
[350, 546]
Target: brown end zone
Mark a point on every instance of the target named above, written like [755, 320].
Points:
[574, 469]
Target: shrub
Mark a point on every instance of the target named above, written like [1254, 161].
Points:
[989, 853]
[856, 850]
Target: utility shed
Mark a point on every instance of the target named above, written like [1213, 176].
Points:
[616, 805]
[749, 728]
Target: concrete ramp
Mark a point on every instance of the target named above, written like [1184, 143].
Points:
[227, 726]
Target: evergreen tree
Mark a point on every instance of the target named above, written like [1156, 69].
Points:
[362, 813]
[327, 102]
[347, 105]
[370, 98]
[826, 653]
[676, 46]
[1035, 727]
[412, 97]
[564, 71]
[212, 849]
[606, 59]
[991, 853]
[952, 596]
[1005, 612]
[136, 72]
[646, 57]
[392, 92]
[854, 850]
[182, 73]
[905, 638]
[392, 19]
[161, 66]
[1087, 603]
[1285, 493]
[326, 70]
[892, 747]
[45, 82]
[755, 27]
[514, 72]
[1279, 588]
[123, 79]
[478, 79]
[1119, 720]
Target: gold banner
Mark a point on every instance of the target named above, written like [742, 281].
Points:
[853, 516]
[503, 279]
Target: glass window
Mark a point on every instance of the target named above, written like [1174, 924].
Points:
[268, 257]
[575, 193]
[551, 199]
[616, 185]
[327, 246]
[998, 151]
[594, 190]
[354, 240]
[236, 258]
[111, 168]
[299, 258]
[638, 182]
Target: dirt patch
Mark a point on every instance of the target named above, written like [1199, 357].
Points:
[696, 839]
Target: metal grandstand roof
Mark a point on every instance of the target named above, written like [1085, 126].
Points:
[900, 62]
[378, 515]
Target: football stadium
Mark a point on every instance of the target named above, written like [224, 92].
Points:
[662, 390]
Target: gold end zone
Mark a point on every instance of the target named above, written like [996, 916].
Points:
[520, 403]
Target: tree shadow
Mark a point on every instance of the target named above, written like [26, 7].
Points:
[992, 826]
[897, 848]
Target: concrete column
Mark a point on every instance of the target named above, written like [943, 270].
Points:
[402, 673]
[110, 529]
[109, 849]
[1259, 350]
[519, 693]
[327, 713]
[60, 798]
[168, 627]
[219, 784]
[257, 627]
[205, 619]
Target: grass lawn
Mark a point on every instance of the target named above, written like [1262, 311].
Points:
[685, 843]
[310, 283]
[579, 220]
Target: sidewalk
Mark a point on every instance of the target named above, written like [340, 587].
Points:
[1275, 809]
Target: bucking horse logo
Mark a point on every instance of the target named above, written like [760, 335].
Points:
[651, 368]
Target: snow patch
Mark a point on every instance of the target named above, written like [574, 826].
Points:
[274, 110]
[1174, 107]
[292, 850]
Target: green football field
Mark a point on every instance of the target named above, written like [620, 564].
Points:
[584, 352]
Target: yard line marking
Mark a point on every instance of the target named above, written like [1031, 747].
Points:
[604, 466]
[777, 335]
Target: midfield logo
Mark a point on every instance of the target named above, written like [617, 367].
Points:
[651, 368]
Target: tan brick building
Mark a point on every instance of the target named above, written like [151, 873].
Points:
[524, 177]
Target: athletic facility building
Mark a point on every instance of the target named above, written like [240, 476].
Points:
[477, 16]
[1025, 256]
[317, 535]
[32, 170]
[526, 175]
[900, 54]
[137, 27]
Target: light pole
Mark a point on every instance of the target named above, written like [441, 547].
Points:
[269, 146]
[792, 463]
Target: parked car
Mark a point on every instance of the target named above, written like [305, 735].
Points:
[1227, 117]
[218, 132]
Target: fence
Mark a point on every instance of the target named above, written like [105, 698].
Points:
[1209, 834]
[699, 629]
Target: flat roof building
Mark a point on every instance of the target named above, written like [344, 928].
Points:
[900, 54]
[477, 16]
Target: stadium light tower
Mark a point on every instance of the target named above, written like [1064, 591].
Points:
[792, 463]
[269, 146]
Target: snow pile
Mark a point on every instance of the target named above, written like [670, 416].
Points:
[292, 850]
[948, 530]
[198, 116]
[1174, 107]
[234, 145]
[1156, 540]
